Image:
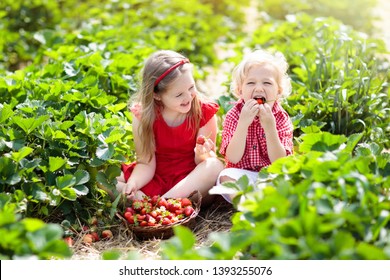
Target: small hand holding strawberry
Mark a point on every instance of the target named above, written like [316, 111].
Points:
[204, 148]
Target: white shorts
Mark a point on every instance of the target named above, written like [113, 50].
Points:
[234, 173]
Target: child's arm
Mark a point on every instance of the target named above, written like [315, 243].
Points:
[236, 148]
[209, 130]
[145, 168]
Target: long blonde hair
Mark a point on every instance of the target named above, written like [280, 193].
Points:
[154, 67]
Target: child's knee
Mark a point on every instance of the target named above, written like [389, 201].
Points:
[225, 178]
[214, 165]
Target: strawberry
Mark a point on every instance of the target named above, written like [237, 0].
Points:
[166, 221]
[130, 209]
[88, 239]
[127, 215]
[95, 236]
[143, 223]
[93, 221]
[163, 202]
[130, 219]
[107, 234]
[200, 140]
[260, 100]
[154, 213]
[154, 200]
[140, 217]
[185, 202]
[188, 211]
[69, 240]
[137, 205]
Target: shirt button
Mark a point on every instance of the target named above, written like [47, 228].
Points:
[254, 147]
[257, 167]
[263, 135]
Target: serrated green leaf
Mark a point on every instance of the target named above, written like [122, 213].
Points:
[22, 153]
[56, 163]
[65, 181]
[29, 124]
[81, 190]
[69, 193]
[105, 152]
[82, 177]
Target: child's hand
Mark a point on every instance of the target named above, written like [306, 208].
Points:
[204, 148]
[249, 111]
[267, 119]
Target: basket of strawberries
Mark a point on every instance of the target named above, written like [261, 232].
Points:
[155, 217]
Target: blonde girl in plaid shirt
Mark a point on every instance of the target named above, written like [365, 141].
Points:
[255, 135]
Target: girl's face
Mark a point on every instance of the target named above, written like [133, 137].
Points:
[179, 94]
[261, 81]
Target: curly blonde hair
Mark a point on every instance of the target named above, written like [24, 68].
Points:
[260, 57]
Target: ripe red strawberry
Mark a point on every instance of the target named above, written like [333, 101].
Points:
[154, 214]
[185, 202]
[260, 100]
[107, 234]
[69, 240]
[143, 223]
[163, 202]
[130, 219]
[95, 236]
[200, 140]
[188, 211]
[154, 200]
[130, 209]
[166, 221]
[140, 217]
[137, 205]
[127, 215]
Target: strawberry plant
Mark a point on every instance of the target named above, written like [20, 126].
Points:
[330, 201]
[28, 238]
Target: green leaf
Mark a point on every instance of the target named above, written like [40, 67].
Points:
[105, 152]
[22, 153]
[56, 163]
[29, 124]
[111, 255]
[81, 190]
[370, 252]
[69, 193]
[65, 181]
[322, 142]
[5, 112]
[82, 177]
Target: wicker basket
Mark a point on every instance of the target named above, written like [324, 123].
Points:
[166, 231]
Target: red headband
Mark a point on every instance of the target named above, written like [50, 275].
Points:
[170, 69]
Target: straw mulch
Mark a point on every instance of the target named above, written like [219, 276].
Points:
[215, 218]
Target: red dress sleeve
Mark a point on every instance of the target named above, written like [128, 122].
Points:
[209, 109]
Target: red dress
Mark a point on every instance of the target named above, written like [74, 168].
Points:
[174, 152]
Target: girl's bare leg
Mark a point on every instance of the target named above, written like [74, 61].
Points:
[202, 178]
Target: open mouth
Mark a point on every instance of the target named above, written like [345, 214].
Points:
[260, 100]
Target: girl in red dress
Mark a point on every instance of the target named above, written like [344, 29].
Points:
[168, 116]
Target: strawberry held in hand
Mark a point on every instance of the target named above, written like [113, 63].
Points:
[200, 140]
